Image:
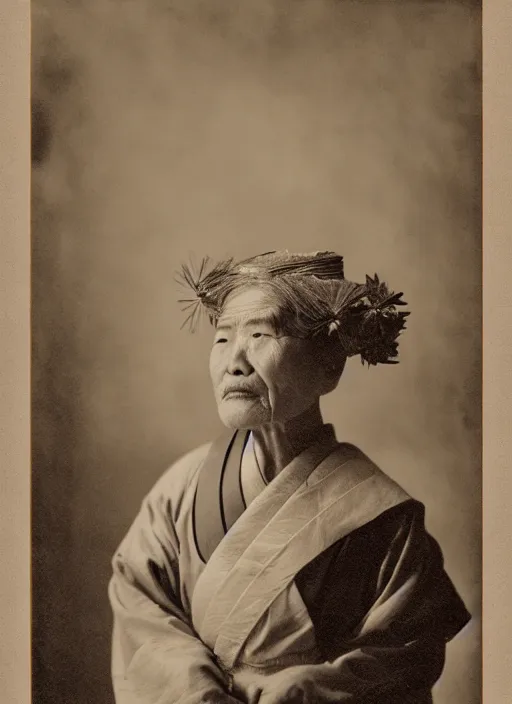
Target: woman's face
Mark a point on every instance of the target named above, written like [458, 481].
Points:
[259, 375]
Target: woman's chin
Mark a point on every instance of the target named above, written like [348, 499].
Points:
[243, 419]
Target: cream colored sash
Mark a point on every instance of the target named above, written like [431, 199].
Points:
[250, 523]
[299, 515]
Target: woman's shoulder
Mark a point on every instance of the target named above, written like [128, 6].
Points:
[181, 473]
[367, 468]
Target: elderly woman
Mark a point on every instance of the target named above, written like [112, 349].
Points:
[278, 564]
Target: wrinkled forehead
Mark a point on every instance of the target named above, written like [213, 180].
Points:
[249, 303]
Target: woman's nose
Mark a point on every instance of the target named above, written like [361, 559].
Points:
[238, 364]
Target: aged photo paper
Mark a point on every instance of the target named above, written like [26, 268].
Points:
[160, 138]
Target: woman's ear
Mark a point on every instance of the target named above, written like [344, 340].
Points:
[332, 360]
[334, 372]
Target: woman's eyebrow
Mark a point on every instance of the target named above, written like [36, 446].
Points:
[248, 322]
[268, 320]
[225, 327]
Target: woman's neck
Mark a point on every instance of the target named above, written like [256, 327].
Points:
[277, 444]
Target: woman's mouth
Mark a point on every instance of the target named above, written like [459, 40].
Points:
[239, 394]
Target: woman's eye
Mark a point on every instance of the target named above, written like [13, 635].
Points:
[220, 340]
[257, 334]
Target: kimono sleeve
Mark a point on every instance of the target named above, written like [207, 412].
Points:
[157, 658]
[394, 650]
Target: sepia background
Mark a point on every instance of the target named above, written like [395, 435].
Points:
[168, 129]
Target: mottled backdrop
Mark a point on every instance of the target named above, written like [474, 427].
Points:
[165, 129]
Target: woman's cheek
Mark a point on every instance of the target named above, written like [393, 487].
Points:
[262, 363]
[262, 355]
[217, 366]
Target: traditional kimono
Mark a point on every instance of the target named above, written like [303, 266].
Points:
[322, 583]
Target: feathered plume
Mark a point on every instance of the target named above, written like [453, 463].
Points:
[380, 323]
[210, 286]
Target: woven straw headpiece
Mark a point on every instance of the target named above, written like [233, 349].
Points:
[314, 299]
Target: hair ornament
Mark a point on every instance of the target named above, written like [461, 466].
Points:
[314, 299]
